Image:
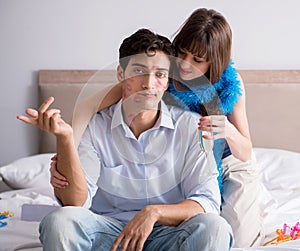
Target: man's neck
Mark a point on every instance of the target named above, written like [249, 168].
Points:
[141, 121]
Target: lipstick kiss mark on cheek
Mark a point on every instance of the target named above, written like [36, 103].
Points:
[129, 86]
[124, 92]
[130, 79]
[137, 99]
[131, 116]
[160, 85]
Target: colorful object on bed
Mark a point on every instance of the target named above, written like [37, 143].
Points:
[287, 233]
[4, 215]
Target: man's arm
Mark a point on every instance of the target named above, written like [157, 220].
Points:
[68, 162]
[140, 227]
[174, 214]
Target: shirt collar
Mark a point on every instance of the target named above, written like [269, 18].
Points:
[117, 118]
[165, 119]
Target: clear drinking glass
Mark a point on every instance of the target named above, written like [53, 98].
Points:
[206, 145]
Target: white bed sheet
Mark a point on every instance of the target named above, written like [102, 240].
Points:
[280, 201]
[19, 234]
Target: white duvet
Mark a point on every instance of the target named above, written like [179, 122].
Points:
[19, 234]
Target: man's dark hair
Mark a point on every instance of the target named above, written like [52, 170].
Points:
[143, 41]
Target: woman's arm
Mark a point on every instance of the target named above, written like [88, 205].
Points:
[112, 97]
[238, 134]
[235, 129]
[87, 107]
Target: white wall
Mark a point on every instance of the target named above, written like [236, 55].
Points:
[79, 34]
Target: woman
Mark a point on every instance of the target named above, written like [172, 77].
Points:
[206, 82]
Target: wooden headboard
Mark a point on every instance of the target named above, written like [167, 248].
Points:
[272, 99]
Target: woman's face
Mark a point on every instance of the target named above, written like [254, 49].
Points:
[190, 66]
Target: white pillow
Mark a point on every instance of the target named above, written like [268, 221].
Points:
[28, 172]
[280, 186]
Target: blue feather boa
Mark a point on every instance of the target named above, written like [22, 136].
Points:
[228, 91]
[227, 88]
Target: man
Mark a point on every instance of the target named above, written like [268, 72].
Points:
[138, 168]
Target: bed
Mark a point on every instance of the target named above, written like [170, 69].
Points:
[273, 107]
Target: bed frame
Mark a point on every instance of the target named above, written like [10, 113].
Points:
[273, 107]
[273, 104]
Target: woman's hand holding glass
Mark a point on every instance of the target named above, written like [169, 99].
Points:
[218, 126]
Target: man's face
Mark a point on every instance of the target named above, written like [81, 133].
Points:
[146, 79]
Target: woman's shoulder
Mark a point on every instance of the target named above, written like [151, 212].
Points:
[230, 72]
[229, 88]
[229, 78]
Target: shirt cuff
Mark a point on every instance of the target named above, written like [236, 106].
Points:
[207, 205]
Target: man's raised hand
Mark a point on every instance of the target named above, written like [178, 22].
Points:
[47, 119]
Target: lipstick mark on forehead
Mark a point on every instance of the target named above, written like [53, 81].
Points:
[159, 68]
[154, 67]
